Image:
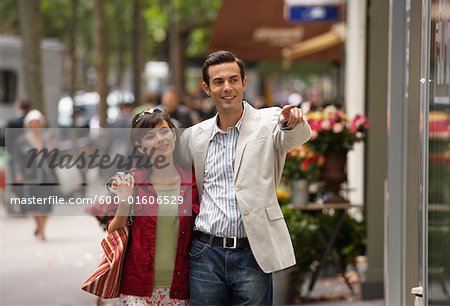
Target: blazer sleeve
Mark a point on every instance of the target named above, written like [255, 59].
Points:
[287, 139]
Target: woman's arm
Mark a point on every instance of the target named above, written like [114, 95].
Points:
[122, 187]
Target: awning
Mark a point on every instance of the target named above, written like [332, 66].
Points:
[255, 30]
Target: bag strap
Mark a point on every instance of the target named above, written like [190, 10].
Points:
[131, 214]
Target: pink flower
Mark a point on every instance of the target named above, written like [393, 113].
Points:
[314, 124]
[338, 128]
[326, 124]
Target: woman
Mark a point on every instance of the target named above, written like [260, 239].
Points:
[155, 268]
[38, 179]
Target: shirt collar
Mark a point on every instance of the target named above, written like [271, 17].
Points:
[238, 125]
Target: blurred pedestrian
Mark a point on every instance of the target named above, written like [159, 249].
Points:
[314, 98]
[21, 108]
[156, 265]
[192, 104]
[259, 102]
[125, 116]
[171, 104]
[38, 178]
[117, 142]
[240, 236]
[207, 109]
[14, 131]
[149, 100]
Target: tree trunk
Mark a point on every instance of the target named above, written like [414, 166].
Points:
[122, 45]
[72, 53]
[176, 48]
[101, 61]
[72, 47]
[177, 57]
[138, 45]
[31, 32]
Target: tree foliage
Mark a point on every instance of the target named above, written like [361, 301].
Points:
[193, 16]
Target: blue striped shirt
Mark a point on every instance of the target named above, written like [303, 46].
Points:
[219, 213]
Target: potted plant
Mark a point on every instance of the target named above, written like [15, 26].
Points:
[301, 168]
[333, 135]
[307, 232]
[332, 130]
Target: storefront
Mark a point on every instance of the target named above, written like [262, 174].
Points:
[417, 210]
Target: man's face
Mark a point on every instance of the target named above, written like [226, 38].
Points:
[226, 88]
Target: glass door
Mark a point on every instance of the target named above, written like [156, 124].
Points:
[437, 271]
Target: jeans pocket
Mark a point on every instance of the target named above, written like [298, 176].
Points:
[197, 249]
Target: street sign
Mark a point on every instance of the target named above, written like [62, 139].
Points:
[312, 13]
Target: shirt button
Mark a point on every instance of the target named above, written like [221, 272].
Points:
[183, 232]
[175, 293]
[180, 253]
[178, 273]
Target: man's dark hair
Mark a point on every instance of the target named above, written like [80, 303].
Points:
[218, 58]
[24, 105]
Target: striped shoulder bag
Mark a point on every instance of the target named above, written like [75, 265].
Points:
[105, 280]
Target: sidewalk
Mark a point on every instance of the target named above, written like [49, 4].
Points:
[51, 273]
[349, 303]
[338, 294]
[47, 273]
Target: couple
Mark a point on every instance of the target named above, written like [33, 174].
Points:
[225, 256]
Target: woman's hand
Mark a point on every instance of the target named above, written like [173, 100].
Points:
[122, 185]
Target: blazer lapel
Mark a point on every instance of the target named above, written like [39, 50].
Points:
[250, 124]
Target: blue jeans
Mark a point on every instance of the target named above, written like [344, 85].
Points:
[219, 276]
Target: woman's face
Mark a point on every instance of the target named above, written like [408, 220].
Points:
[35, 124]
[160, 139]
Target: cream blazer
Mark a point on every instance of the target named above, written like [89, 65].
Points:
[260, 157]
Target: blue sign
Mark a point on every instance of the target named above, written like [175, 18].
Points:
[301, 13]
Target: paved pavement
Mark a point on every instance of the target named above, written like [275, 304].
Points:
[349, 303]
[50, 273]
[34, 272]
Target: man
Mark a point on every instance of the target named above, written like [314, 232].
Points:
[171, 103]
[240, 234]
[14, 130]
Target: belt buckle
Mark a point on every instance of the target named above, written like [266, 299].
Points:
[225, 245]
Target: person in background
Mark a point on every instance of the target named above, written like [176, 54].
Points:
[149, 100]
[21, 107]
[117, 142]
[156, 265]
[240, 235]
[39, 179]
[14, 130]
[314, 98]
[171, 104]
[259, 102]
[192, 104]
[125, 116]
